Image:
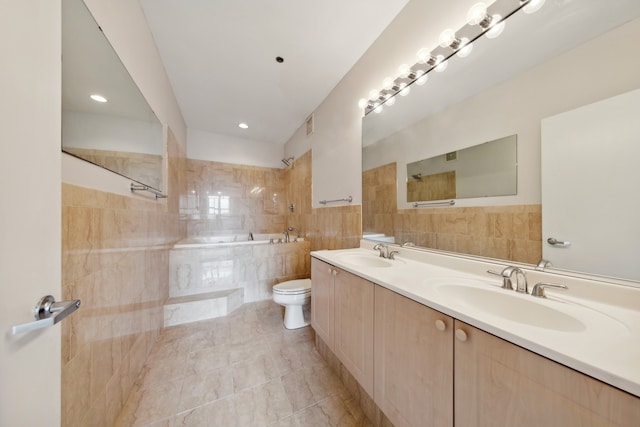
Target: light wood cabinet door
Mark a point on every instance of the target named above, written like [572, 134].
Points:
[353, 338]
[413, 362]
[500, 384]
[322, 295]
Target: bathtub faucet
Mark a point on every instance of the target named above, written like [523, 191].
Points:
[297, 232]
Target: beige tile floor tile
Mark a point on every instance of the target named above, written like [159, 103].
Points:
[242, 370]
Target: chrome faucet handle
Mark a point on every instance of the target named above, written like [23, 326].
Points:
[408, 244]
[538, 288]
[381, 249]
[506, 280]
[392, 254]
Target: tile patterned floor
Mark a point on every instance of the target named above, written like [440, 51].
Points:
[245, 369]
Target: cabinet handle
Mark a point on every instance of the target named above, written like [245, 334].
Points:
[440, 325]
[461, 335]
[334, 272]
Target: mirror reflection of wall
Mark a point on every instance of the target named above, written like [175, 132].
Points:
[488, 169]
[119, 132]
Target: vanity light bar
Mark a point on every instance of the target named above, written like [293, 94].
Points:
[481, 20]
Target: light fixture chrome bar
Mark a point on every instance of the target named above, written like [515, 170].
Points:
[425, 204]
[348, 199]
[142, 187]
[504, 8]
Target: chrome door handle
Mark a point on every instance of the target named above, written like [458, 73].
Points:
[555, 242]
[47, 312]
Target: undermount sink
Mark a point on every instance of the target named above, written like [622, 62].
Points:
[362, 260]
[509, 305]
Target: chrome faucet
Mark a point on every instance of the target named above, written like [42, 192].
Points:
[507, 282]
[297, 232]
[286, 236]
[382, 249]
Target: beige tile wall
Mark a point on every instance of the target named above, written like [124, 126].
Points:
[379, 194]
[259, 200]
[505, 232]
[335, 227]
[256, 196]
[115, 260]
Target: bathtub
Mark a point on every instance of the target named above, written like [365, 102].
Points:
[230, 240]
[200, 265]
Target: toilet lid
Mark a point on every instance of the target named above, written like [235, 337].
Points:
[293, 287]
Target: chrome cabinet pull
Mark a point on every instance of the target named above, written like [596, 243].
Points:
[555, 242]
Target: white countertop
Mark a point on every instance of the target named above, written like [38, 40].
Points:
[604, 342]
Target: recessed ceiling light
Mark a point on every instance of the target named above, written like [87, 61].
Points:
[243, 125]
[98, 98]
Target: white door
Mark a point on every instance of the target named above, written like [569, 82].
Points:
[591, 187]
[30, 208]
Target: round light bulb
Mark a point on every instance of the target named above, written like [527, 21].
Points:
[404, 70]
[533, 6]
[374, 94]
[447, 37]
[423, 55]
[377, 108]
[496, 29]
[362, 103]
[476, 13]
[465, 48]
[387, 83]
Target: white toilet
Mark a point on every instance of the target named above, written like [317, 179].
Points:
[293, 294]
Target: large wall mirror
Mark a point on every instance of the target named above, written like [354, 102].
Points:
[119, 131]
[565, 56]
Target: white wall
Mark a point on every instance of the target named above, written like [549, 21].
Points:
[125, 26]
[30, 226]
[203, 145]
[336, 141]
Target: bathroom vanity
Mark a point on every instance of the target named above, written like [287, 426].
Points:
[435, 340]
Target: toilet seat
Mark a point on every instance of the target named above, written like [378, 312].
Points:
[293, 287]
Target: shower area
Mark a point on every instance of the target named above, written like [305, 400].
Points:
[237, 247]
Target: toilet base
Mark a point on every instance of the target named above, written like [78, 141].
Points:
[294, 317]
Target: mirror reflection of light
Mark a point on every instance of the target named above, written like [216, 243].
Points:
[442, 64]
[390, 100]
[496, 29]
[533, 6]
[466, 48]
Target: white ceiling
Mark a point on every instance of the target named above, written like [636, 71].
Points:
[220, 57]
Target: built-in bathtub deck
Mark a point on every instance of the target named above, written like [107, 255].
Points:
[210, 277]
[193, 308]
